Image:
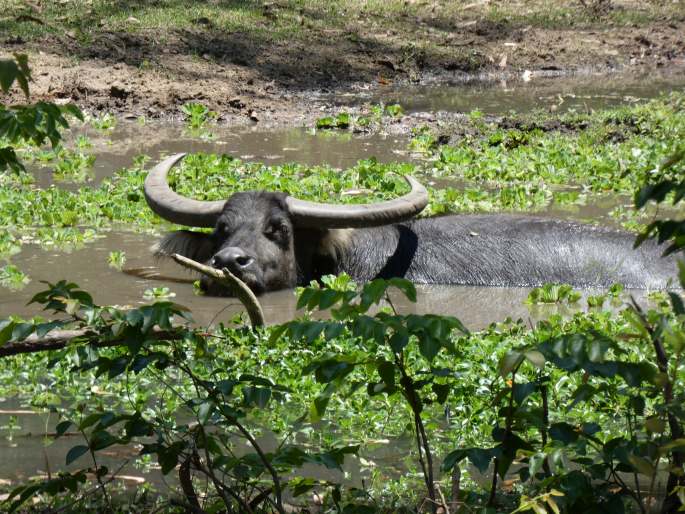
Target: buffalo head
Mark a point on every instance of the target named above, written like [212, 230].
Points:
[255, 233]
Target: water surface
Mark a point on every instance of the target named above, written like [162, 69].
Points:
[522, 93]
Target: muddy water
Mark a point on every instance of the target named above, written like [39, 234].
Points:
[29, 449]
[117, 148]
[580, 92]
[475, 306]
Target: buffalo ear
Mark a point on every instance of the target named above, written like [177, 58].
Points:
[194, 245]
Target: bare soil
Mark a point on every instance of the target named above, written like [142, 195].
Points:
[247, 80]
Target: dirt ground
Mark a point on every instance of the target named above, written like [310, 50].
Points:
[247, 81]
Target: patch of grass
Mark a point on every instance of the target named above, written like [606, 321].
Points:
[158, 293]
[307, 20]
[340, 121]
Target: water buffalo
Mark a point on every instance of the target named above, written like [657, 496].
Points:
[274, 241]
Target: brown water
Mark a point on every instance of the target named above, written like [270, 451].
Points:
[29, 450]
[477, 307]
[118, 148]
[580, 92]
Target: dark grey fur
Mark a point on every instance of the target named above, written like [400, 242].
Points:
[256, 240]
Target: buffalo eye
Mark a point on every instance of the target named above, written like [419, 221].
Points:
[223, 229]
[276, 229]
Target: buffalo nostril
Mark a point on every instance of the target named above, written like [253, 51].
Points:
[243, 260]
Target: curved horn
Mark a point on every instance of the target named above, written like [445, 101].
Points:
[176, 208]
[311, 214]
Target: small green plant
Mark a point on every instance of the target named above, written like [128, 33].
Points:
[117, 259]
[158, 293]
[11, 428]
[12, 277]
[423, 141]
[104, 123]
[83, 142]
[553, 293]
[394, 110]
[340, 121]
[197, 115]
[362, 121]
[615, 290]
[9, 245]
[596, 301]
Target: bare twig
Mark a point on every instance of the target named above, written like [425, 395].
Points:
[186, 480]
[456, 483]
[237, 287]
[444, 504]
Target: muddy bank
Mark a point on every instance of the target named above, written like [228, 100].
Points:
[258, 78]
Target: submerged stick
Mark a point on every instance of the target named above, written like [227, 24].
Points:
[228, 279]
[58, 339]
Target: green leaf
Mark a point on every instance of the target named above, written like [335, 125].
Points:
[398, 341]
[406, 286]
[536, 358]
[372, 293]
[22, 330]
[305, 296]
[677, 303]
[429, 346]
[62, 427]
[522, 391]
[452, 459]
[328, 298]
[75, 452]
[642, 465]
[258, 396]
[333, 330]
[386, 370]
[332, 369]
[509, 362]
[167, 461]
[441, 392]
[6, 329]
[563, 432]
[89, 420]
[480, 457]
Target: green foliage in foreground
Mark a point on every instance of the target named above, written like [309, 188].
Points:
[576, 409]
